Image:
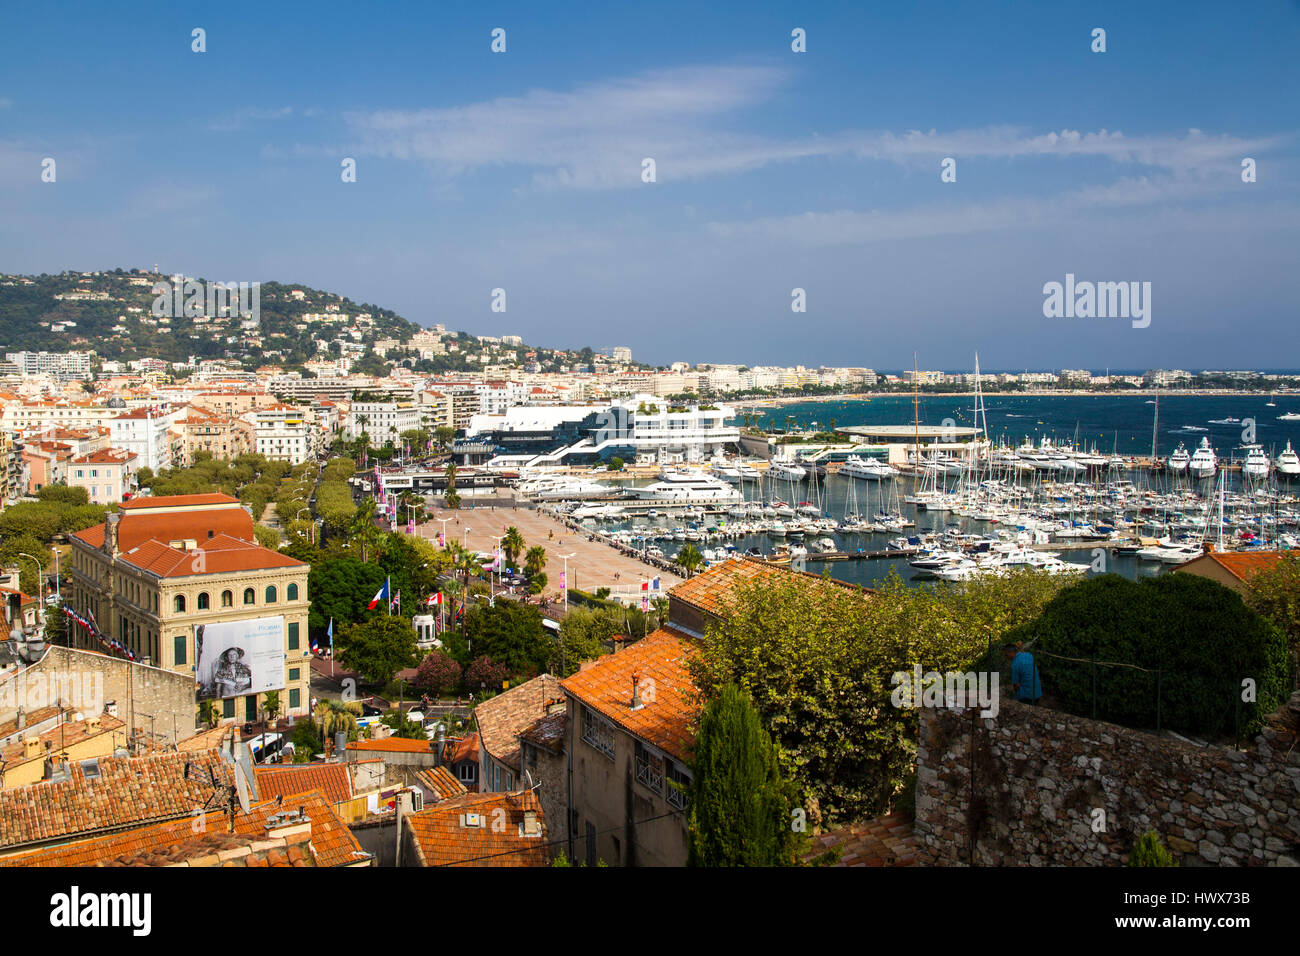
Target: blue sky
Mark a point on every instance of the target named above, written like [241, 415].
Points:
[775, 170]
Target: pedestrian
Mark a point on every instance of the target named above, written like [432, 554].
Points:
[1026, 686]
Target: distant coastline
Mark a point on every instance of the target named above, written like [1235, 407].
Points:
[783, 400]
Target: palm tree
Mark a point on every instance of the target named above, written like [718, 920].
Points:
[690, 559]
[450, 496]
[512, 544]
[534, 560]
[271, 705]
[336, 715]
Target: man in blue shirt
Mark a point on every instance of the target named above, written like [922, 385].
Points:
[1025, 684]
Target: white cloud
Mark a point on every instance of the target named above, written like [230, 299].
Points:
[596, 135]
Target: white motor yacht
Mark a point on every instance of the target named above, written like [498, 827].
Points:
[1256, 464]
[1288, 463]
[870, 469]
[1179, 459]
[1204, 463]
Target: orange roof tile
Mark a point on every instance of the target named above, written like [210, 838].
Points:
[667, 714]
[331, 779]
[1242, 564]
[127, 792]
[500, 719]
[443, 838]
[178, 501]
[441, 782]
[330, 842]
[218, 555]
[713, 590]
[394, 745]
[466, 748]
[884, 841]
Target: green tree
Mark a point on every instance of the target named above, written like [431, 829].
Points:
[267, 537]
[511, 634]
[584, 633]
[742, 811]
[817, 659]
[379, 647]
[690, 559]
[534, 560]
[512, 545]
[336, 716]
[1275, 594]
[271, 705]
[450, 496]
[403, 726]
[1199, 636]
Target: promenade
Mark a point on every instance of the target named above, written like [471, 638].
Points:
[592, 565]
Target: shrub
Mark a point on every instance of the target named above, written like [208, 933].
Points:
[1199, 636]
[1149, 851]
[438, 672]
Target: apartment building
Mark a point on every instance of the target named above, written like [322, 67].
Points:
[382, 421]
[108, 475]
[285, 433]
[146, 432]
[181, 584]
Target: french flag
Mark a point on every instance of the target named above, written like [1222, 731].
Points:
[380, 595]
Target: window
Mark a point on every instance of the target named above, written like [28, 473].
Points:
[178, 643]
[467, 772]
[294, 673]
[203, 600]
[677, 774]
[249, 596]
[295, 698]
[293, 635]
[649, 768]
[292, 593]
[227, 599]
[228, 707]
[270, 594]
[178, 604]
[598, 732]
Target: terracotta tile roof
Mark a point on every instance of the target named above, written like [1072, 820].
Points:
[210, 739]
[1242, 564]
[667, 714]
[178, 501]
[466, 748]
[180, 524]
[396, 745]
[500, 719]
[128, 791]
[67, 734]
[330, 842]
[548, 732]
[713, 590]
[332, 779]
[442, 783]
[219, 555]
[442, 837]
[105, 456]
[34, 717]
[884, 841]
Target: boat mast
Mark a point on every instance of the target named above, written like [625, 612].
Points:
[916, 426]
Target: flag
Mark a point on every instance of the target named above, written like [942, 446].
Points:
[435, 598]
[330, 632]
[397, 602]
[644, 604]
[380, 595]
[645, 585]
[442, 541]
[315, 648]
[562, 580]
[656, 585]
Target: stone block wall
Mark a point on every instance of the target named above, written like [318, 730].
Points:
[1040, 787]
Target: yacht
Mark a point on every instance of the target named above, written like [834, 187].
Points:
[1166, 552]
[1256, 464]
[1203, 463]
[786, 469]
[1179, 459]
[870, 469]
[728, 473]
[689, 486]
[1287, 462]
[1225, 421]
[1289, 417]
[746, 472]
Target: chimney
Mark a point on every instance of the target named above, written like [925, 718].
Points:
[532, 827]
[287, 823]
[340, 745]
[636, 698]
[110, 708]
[92, 726]
[31, 747]
[22, 719]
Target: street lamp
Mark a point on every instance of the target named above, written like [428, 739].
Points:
[443, 522]
[40, 577]
[565, 574]
[463, 535]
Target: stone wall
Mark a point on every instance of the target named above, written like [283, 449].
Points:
[149, 699]
[1040, 787]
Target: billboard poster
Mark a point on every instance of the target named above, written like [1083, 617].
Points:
[234, 658]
